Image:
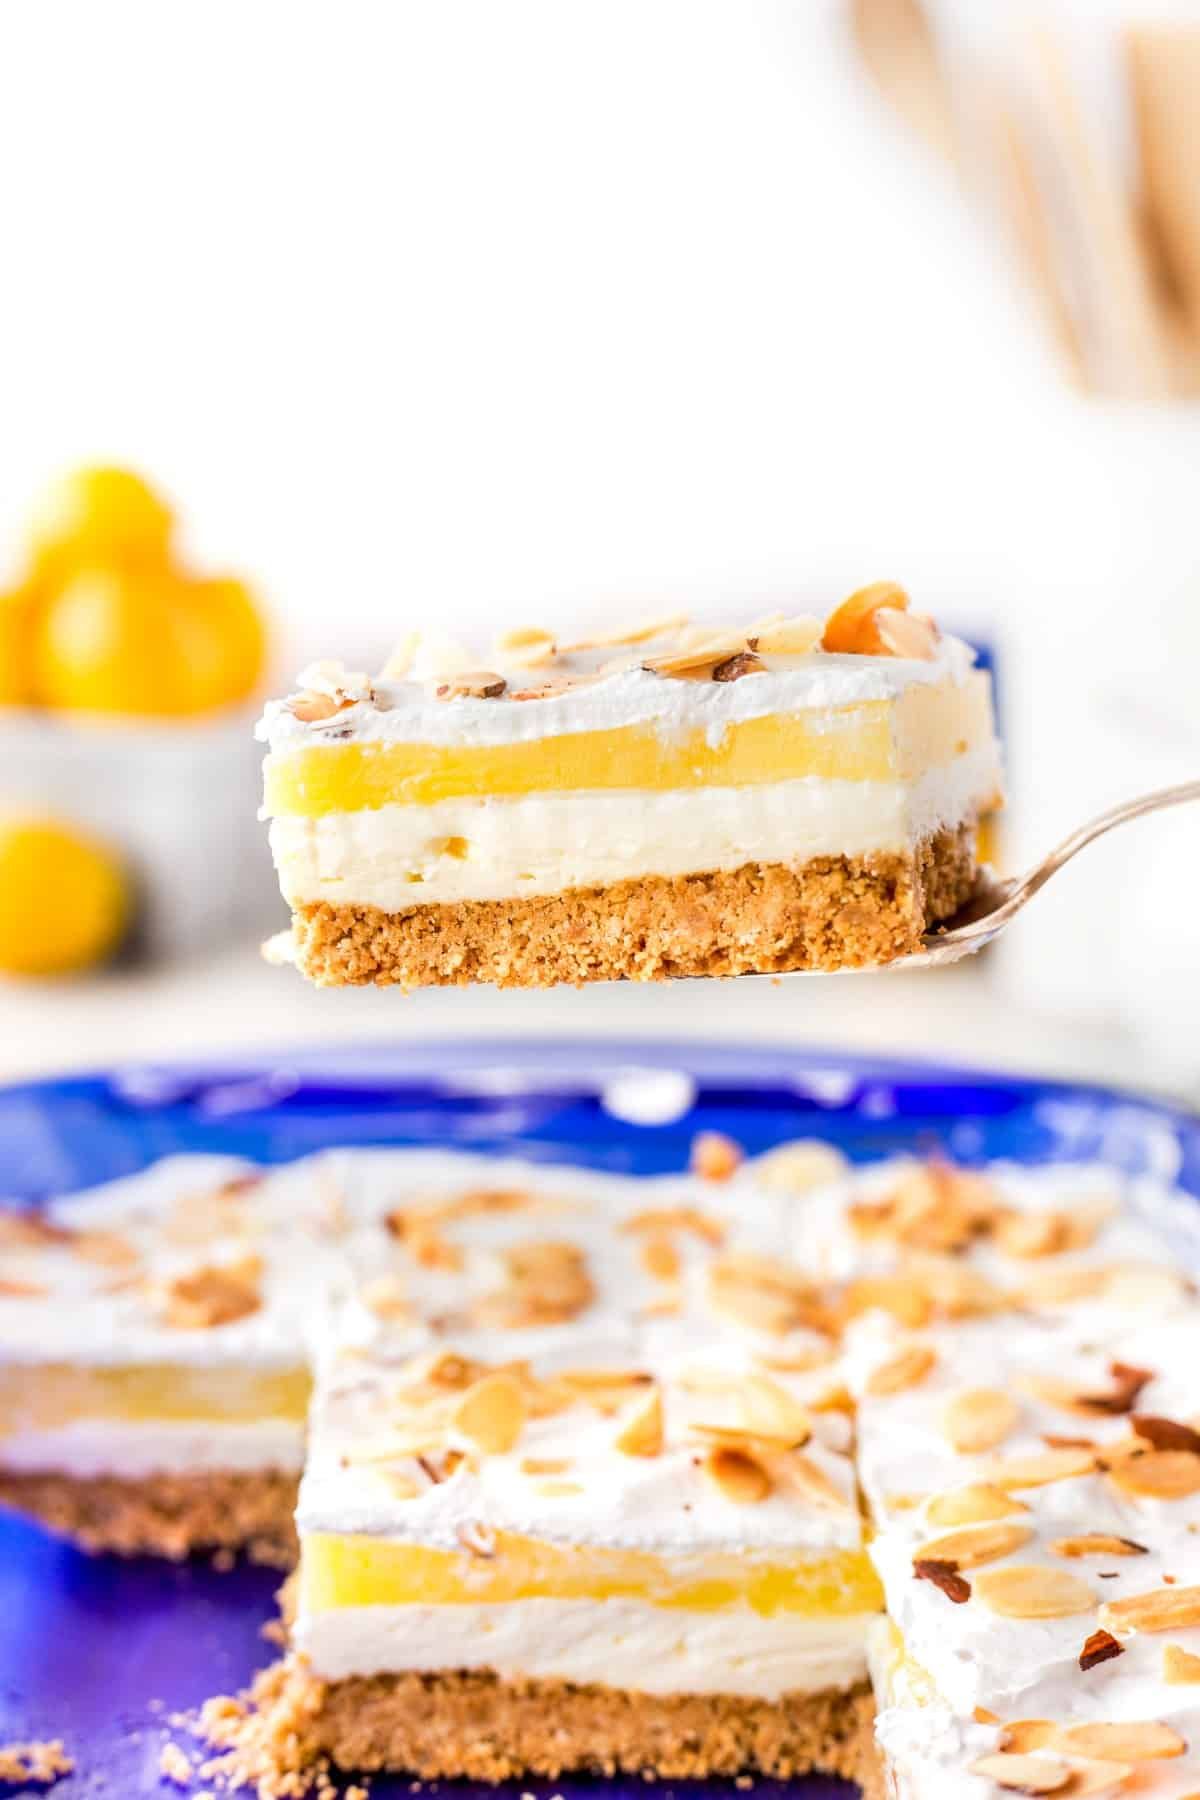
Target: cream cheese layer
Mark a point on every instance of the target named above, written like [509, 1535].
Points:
[466, 849]
[622, 1643]
[130, 1450]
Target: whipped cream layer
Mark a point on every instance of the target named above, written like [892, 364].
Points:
[408, 711]
[625, 1643]
[396, 857]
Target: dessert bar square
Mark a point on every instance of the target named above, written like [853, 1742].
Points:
[669, 801]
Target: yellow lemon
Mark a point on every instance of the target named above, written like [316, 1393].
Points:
[17, 617]
[64, 901]
[98, 515]
[230, 640]
[148, 642]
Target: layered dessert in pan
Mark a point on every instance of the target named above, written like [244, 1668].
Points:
[154, 1363]
[609, 1520]
[622, 1474]
[670, 800]
[1026, 1403]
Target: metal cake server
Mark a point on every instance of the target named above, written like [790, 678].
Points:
[996, 903]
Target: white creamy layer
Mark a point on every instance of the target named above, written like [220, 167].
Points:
[395, 857]
[624, 1643]
[129, 1449]
[410, 712]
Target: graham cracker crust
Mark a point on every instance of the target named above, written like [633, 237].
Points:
[470, 1724]
[765, 918]
[165, 1515]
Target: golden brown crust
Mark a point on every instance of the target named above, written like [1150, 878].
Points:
[470, 1724]
[766, 918]
[165, 1514]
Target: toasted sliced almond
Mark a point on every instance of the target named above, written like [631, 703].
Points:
[402, 657]
[1100, 1778]
[385, 1296]
[545, 1465]
[641, 1433]
[559, 1490]
[979, 1419]
[491, 1414]
[660, 1220]
[1031, 1591]
[798, 1167]
[1023, 1735]
[1135, 1742]
[215, 1295]
[906, 1369]
[1180, 1666]
[643, 632]
[1166, 1434]
[525, 647]
[608, 1390]
[108, 1248]
[797, 636]
[972, 1505]
[945, 1577]
[1039, 1470]
[311, 709]
[909, 635]
[12, 1289]
[1063, 1287]
[894, 1294]
[734, 667]
[1019, 1774]
[807, 1478]
[1097, 1543]
[660, 1258]
[770, 1412]
[477, 1538]
[715, 1157]
[471, 684]
[741, 1477]
[1159, 1475]
[1099, 1647]
[1160, 1609]
[699, 658]
[972, 1545]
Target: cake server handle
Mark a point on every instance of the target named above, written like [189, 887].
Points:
[997, 902]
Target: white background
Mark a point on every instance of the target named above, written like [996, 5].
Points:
[462, 311]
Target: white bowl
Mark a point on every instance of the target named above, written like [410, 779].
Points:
[176, 799]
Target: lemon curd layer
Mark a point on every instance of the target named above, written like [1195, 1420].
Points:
[875, 740]
[339, 1571]
[49, 1396]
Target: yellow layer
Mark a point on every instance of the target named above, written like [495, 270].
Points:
[43, 1396]
[877, 740]
[338, 1571]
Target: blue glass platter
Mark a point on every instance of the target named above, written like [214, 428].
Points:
[100, 1652]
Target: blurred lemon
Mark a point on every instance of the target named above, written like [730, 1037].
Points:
[147, 641]
[99, 515]
[64, 900]
[231, 641]
[17, 611]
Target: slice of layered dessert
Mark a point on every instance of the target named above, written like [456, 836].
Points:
[154, 1370]
[579, 1496]
[664, 801]
[1029, 1454]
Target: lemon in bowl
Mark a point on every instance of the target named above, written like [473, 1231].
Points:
[64, 898]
